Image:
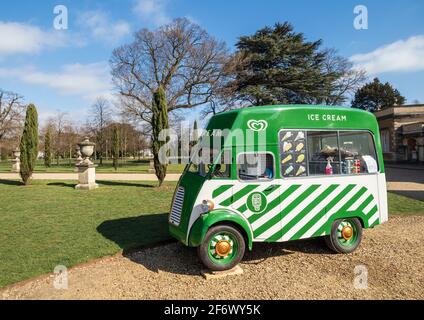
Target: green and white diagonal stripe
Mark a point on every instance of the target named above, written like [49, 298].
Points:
[298, 211]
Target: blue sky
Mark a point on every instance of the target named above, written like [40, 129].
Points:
[65, 70]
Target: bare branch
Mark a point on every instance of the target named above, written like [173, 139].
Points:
[181, 57]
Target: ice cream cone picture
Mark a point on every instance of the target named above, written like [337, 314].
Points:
[300, 136]
[300, 171]
[287, 136]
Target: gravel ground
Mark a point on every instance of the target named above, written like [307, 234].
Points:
[393, 254]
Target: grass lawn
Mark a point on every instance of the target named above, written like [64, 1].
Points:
[130, 166]
[400, 205]
[49, 223]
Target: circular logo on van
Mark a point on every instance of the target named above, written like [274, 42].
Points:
[257, 125]
[256, 202]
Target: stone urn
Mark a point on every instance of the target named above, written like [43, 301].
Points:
[16, 162]
[17, 153]
[85, 168]
[86, 148]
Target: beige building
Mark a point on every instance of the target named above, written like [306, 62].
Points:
[402, 133]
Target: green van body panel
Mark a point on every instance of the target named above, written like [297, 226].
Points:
[193, 184]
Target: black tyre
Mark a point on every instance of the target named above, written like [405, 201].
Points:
[345, 236]
[222, 249]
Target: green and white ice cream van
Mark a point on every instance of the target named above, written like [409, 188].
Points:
[318, 173]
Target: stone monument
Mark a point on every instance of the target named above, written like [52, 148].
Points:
[16, 162]
[85, 168]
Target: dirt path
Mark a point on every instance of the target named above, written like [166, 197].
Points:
[393, 254]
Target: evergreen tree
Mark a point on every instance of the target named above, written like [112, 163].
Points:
[195, 131]
[375, 96]
[29, 144]
[159, 123]
[47, 148]
[194, 135]
[277, 65]
[115, 146]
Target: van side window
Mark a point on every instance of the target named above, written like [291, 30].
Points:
[323, 153]
[293, 153]
[357, 152]
[255, 166]
[326, 152]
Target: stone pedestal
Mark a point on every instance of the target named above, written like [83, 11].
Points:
[16, 165]
[152, 167]
[86, 177]
[211, 275]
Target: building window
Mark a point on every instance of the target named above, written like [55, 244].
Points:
[385, 140]
[255, 166]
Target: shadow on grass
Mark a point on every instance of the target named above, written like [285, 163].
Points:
[12, 182]
[135, 235]
[124, 184]
[62, 184]
[136, 232]
[416, 195]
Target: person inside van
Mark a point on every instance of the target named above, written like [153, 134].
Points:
[269, 173]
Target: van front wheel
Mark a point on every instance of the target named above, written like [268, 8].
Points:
[222, 249]
[346, 235]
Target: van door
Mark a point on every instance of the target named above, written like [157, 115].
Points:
[257, 192]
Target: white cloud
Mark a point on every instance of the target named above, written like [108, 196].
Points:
[102, 28]
[86, 81]
[21, 38]
[152, 11]
[400, 56]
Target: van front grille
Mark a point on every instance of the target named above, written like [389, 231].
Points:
[177, 207]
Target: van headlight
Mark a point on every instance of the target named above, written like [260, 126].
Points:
[207, 206]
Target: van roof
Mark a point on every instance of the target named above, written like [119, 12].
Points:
[277, 117]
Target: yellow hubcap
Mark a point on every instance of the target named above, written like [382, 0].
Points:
[223, 248]
[347, 233]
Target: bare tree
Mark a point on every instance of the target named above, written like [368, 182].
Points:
[100, 117]
[180, 57]
[11, 112]
[346, 81]
[58, 124]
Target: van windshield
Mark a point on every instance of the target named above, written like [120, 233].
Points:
[216, 160]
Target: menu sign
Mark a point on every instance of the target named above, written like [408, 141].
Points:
[293, 153]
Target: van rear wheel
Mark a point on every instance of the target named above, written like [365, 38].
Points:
[222, 249]
[346, 235]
